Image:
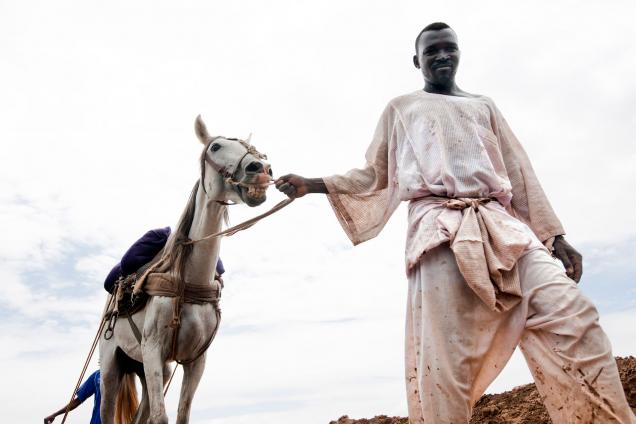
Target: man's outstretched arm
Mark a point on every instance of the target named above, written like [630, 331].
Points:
[362, 198]
[296, 186]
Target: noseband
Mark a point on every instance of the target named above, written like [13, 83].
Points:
[228, 173]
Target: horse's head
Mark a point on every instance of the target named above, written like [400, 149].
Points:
[232, 169]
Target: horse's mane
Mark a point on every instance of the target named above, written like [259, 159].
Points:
[176, 252]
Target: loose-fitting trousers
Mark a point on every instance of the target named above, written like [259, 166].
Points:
[456, 346]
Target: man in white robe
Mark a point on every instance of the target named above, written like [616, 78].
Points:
[481, 277]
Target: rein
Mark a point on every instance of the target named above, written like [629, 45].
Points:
[88, 359]
[243, 225]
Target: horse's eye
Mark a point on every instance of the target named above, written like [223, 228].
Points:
[215, 147]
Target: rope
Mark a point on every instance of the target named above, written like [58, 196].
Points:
[244, 225]
[88, 360]
[174, 370]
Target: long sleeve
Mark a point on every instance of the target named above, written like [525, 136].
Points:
[88, 388]
[529, 202]
[365, 198]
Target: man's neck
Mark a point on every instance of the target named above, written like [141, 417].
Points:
[447, 90]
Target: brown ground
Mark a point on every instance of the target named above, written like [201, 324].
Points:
[521, 405]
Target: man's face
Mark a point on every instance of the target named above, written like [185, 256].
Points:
[437, 55]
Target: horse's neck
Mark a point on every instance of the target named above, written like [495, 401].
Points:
[208, 219]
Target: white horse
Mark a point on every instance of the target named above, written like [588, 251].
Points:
[231, 171]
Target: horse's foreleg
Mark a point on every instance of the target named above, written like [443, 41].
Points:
[154, 371]
[192, 373]
[110, 381]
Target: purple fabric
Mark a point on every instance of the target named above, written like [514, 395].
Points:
[139, 254]
[142, 252]
[220, 269]
[113, 275]
[144, 249]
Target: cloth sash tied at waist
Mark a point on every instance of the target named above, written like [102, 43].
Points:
[486, 249]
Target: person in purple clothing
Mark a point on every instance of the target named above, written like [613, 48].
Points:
[142, 252]
[89, 388]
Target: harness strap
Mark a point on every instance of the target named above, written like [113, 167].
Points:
[165, 284]
[134, 328]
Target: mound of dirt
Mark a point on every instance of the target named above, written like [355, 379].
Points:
[380, 419]
[522, 405]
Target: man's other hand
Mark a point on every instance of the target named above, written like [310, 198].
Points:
[571, 258]
[293, 185]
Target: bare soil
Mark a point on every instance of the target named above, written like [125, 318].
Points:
[521, 405]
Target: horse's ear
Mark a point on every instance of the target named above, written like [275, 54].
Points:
[201, 130]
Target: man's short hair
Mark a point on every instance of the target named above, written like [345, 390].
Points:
[435, 26]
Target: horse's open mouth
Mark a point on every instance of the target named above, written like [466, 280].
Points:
[253, 194]
[253, 188]
[256, 191]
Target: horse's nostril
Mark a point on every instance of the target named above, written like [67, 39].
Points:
[254, 168]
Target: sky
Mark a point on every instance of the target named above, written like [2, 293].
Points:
[97, 107]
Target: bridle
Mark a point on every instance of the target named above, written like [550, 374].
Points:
[227, 172]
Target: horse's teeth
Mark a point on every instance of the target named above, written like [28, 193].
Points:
[253, 190]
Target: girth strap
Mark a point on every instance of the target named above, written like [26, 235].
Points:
[162, 284]
[134, 328]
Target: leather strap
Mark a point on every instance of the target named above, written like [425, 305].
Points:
[134, 328]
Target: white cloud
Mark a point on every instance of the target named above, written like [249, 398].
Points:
[95, 267]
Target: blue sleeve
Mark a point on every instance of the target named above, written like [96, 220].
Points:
[87, 389]
[220, 269]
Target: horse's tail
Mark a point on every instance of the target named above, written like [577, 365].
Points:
[127, 402]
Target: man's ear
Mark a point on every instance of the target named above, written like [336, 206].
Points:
[201, 130]
[416, 61]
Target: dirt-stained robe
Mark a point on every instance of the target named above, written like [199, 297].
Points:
[469, 307]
